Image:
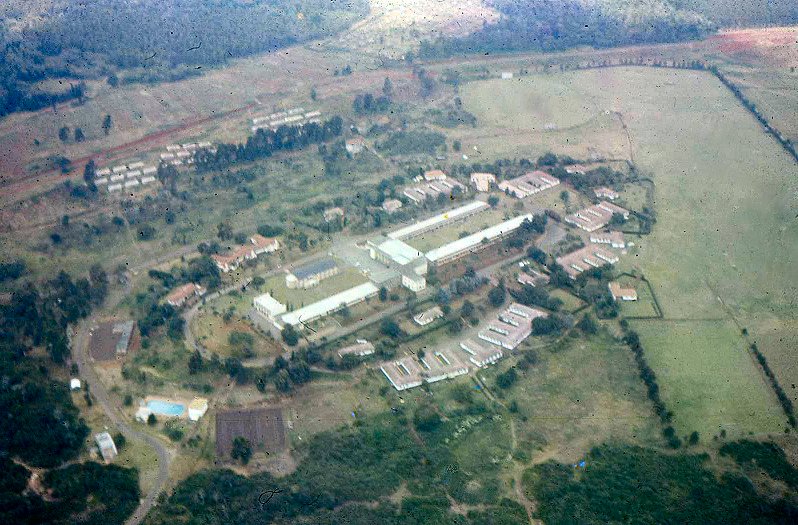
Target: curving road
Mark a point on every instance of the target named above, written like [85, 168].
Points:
[80, 352]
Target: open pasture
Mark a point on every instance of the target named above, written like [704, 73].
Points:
[725, 242]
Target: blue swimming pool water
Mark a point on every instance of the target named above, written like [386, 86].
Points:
[166, 408]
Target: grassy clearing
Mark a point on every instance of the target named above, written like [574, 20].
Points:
[569, 302]
[708, 378]
[447, 234]
[724, 197]
[275, 285]
[644, 306]
[582, 394]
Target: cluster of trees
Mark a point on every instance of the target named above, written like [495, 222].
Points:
[624, 483]
[652, 388]
[290, 373]
[601, 176]
[82, 493]
[10, 271]
[553, 25]
[367, 104]
[37, 316]
[412, 142]
[101, 38]
[762, 455]
[341, 473]
[152, 315]
[266, 142]
[536, 296]
[784, 400]
[751, 107]
[200, 270]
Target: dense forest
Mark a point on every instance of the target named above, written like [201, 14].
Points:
[152, 41]
[41, 425]
[552, 25]
[627, 484]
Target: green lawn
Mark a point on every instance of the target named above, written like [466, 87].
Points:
[347, 278]
[708, 378]
[452, 232]
[725, 199]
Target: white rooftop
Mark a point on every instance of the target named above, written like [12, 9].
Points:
[330, 304]
[269, 304]
[419, 226]
[399, 251]
[475, 238]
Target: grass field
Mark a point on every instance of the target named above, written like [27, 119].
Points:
[704, 365]
[275, 285]
[644, 306]
[452, 232]
[584, 393]
[725, 202]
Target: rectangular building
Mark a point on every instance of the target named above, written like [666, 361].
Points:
[361, 348]
[597, 216]
[441, 364]
[480, 354]
[311, 274]
[326, 306]
[439, 221]
[476, 241]
[403, 373]
[181, 294]
[529, 184]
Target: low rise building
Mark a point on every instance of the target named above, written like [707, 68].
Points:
[529, 184]
[440, 220]
[330, 214]
[476, 241]
[181, 294]
[441, 364]
[578, 261]
[74, 384]
[432, 190]
[428, 316]
[355, 145]
[513, 326]
[532, 277]
[268, 306]
[308, 314]
[434, 175]
[361, 348]
[391, 205]
[620, 292]
[613, 238]
[483, 181]
[107, 446]
[403, 373]
[480, 354]
[311, 274]
[597, 216]
[258, 245]
[606, 193]
[197, 408]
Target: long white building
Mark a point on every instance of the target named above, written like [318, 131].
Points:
[476, 241]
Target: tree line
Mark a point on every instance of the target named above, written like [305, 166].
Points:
[784, 400]
[265, 142]
[554, 25]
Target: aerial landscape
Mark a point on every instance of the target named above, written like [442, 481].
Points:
[401, 262]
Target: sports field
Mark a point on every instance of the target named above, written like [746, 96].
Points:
[725, 244]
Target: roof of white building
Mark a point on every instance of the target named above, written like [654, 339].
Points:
[330, 304]
[475, 238]
[400, 252]
[270, 304]
[419, 226]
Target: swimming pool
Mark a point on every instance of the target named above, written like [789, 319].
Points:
[165, 408]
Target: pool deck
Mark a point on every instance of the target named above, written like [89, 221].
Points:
[177, 401]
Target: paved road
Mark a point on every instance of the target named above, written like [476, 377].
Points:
[80, 351]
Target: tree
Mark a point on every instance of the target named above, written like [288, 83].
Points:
[506, 379]
[89, 172]
[195, 363]
[693, 439]
[387, 87]
[282, 381]
[617, 219]
[587, 325]
[290, 335]
[467, 310]
[113, 80]
[107, 124]
[313, 94]
[63, 134]
[564, 196]
[493, 201]
[119, 440]
[79, 136]
[383, 294]
[497, 295]
[390, 328]
[242, 450]
[456, 145]
[224, 231]
[152, 420]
